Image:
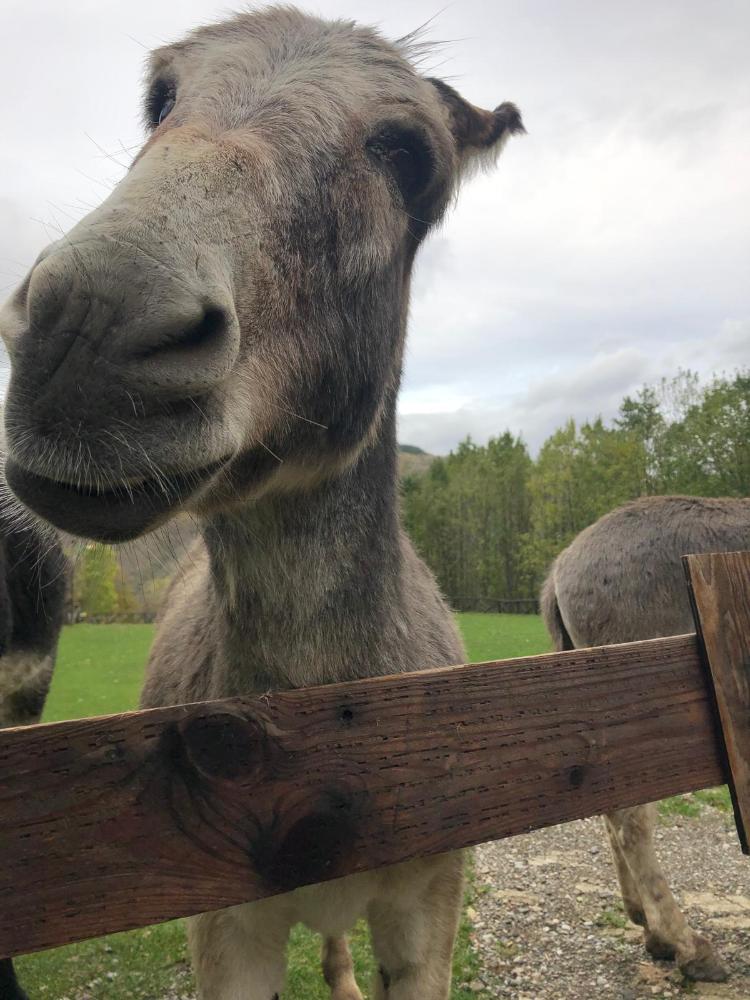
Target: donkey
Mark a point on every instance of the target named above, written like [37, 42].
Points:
[224, 336]
[621, 580]
[33, 579]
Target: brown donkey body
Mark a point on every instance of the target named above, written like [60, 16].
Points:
[622, 580]
[224, 335]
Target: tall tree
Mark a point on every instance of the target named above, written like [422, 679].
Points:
[95, 587]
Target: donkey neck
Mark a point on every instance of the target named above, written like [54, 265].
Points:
[307, 582]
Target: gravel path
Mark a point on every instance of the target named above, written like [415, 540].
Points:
[549, 925]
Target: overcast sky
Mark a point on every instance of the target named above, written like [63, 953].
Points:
[610, 246]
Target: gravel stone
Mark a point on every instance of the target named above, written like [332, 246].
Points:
[548, 921]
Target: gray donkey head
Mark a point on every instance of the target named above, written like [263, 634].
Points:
[241, 296]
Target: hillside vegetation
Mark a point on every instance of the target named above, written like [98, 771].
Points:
[489, 519]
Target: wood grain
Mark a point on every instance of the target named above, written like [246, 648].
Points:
[117, 822]
[720, 591]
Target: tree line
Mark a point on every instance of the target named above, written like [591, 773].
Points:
[489, 519]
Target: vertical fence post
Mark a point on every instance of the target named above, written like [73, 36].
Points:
[719, 585]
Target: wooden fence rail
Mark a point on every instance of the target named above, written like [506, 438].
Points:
[501, 605]
[117, 822]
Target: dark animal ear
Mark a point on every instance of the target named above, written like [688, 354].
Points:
[474, 129]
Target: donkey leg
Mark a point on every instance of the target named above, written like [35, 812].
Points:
[338, 969]
[9, 986]
[240, 953]
[413, 936]
[631, 896]
[649, 901]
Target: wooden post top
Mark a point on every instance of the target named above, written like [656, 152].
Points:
[720, 593]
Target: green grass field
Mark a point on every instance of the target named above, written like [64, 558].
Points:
[99, 671]
[100, 667]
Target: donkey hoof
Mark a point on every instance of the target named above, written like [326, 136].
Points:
[705, 965]
[657, 948]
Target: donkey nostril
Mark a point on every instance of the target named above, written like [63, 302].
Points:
[211, 327]
[208, 331]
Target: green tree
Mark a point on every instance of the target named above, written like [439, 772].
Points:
[468, 514]
[579, 475]
[95, 581]
[707, 452]
[642, 421]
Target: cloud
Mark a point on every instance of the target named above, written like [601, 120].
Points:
[437, 417]
[593, 389]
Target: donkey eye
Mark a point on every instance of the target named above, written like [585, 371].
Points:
[407, 157]
[165, 109]
[161, 101]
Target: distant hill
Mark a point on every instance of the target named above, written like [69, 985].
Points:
[413, 461]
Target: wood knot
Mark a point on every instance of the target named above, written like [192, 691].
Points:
[226, 745]
[303, 849]
[576, 775]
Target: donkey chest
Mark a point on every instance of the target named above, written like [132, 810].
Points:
[269, 656]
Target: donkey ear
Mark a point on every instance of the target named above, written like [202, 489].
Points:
[476, 130]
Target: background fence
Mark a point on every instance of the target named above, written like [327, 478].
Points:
[520, 606]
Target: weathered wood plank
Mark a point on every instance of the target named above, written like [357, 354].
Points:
[112, 823]
[720, 591]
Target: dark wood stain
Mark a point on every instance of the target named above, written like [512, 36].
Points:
[720, 594]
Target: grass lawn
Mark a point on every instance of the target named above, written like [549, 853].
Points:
[501, 637]
[100, 667]
[99, 670]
